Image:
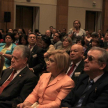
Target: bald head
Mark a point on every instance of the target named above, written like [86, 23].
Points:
[48, 33]
[76, 53]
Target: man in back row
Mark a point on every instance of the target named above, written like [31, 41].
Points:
[91, 90]
[17, 83]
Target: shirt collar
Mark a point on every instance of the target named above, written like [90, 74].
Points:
[96, 78]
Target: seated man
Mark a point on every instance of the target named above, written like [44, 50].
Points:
[18, 82]
[91, 90]
[36, 62]
[77, 63]
[56, 41]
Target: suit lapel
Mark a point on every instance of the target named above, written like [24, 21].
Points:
[95, 86]
[5, 76]
[20, 75]
[78, 69]
[60, 76]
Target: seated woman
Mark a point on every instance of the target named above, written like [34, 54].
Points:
[1, 64]
[53, 86]
[67, 43]
[6, 49]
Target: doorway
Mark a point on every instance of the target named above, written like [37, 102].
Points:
[93, 21]
[27, 17]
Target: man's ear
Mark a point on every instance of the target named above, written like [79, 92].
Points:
[25, 60]
[102, 66]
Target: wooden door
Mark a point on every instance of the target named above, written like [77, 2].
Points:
[90, 21]
[24, 17]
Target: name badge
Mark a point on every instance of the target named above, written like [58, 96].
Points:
[35, 55]
[77, 74]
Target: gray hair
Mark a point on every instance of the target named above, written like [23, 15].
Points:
[103, 58]
[25, 51]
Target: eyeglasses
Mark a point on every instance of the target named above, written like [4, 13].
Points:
[90, 58]
[32, 37]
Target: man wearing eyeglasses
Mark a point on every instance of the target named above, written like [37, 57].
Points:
[36, 61]
[91, 90]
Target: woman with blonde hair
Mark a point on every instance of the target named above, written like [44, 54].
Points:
[52, 87]
[67, 43]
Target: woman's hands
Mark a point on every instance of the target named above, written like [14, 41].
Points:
[24, 105]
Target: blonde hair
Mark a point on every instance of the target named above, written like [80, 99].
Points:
[70, 42]
[62, 59]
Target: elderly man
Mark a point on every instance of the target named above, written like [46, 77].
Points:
[91, 90]
[18, 82]
[48, 33]
[77, 63]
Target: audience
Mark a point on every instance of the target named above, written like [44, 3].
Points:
[53, 86]
[6, 49]
[16, 83]
[91, 90]
[78, 44]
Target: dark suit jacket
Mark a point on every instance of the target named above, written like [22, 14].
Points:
[96, 97]
[79, 68]
[18, 89]
[37, 60]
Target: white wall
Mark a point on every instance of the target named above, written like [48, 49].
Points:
[77, 10]
[47, 16]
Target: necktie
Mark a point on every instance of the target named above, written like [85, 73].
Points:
[7, 82]
[71, 70]
[80, 101]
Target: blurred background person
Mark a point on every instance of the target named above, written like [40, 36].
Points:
[6, 49]
[21, 30]
[53, 86]
[2, 33]
[10, 30]
[76, 31]
[16, 37]
[1, 39]
[1, 64]
[47, 47]
[23, 40]
[66, 44]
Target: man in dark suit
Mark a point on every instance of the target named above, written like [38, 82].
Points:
[18, 82]
[91, 90]
[36, 61]
[76, 56]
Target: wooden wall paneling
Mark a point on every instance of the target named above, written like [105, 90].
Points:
[62, 14]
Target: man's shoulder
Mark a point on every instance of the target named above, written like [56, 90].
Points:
[28, 72]
[37, 48]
